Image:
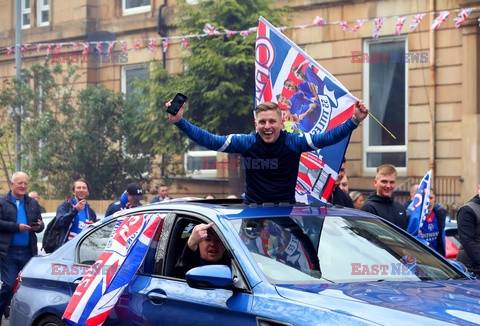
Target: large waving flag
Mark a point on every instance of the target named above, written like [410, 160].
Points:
[285, 74]
[419, 206]
[99, 290]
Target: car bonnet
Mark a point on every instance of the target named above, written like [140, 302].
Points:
[453, 301]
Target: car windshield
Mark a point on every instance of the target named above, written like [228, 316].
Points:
[333, 249]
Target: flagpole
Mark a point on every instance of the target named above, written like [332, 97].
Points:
[381, 125]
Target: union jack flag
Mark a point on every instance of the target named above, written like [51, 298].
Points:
[462, 16]
[210, 30]
[230, 33]
[165, 44]
[184, 42]
[39, 47]
[124, 46]
[319, 21]
[277, 59]
[99, 47]
[136, 46]
[99, 290]
[86, 48]
[343, 24]
[245, 33]
[23, 49]
[111, 44]
[378, 27]
[416, 20]
[441, 18]
[76, 46]
[399, 25]
[358, 24]
[151, 44]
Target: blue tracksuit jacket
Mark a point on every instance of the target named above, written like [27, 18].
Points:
[271, 168]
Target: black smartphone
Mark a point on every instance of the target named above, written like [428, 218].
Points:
[34, 224]
[176, 104]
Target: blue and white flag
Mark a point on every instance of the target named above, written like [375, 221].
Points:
[419, 206]
[285, 74]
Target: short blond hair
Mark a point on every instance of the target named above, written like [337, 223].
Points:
[268, 106]
[386, 169]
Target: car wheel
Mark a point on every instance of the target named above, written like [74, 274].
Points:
[51, 321]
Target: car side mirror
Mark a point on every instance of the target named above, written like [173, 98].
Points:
[210, 277]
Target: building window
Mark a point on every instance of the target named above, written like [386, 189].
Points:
[130, 74]
[43, 12]
[385, 91]
[201, 163]
[130, 7]
[25, 14]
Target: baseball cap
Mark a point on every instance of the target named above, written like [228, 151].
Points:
[135, 190]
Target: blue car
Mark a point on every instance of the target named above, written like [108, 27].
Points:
[290, 265]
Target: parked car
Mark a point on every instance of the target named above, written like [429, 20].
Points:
[47, 218]
[452, 241]
[290, 265]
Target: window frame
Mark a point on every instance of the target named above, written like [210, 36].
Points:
[367, 149]
[27, 11]
[200, 173]
[41, 8]
[135, 10]
[125, 68]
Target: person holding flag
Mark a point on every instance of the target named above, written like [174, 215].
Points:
[432, 228]
[316, 100]
[427, 219]
[270, 155]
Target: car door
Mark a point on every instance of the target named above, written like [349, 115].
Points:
[166, 300]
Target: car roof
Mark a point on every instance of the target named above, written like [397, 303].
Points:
[235, 209]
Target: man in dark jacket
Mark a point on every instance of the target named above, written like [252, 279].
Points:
[130, 198]
[381, 201]
[468, 219]
[74, 214]
[202, 248]
[339, 197]
[20, 219]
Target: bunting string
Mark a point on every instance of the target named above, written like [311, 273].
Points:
[210, 30]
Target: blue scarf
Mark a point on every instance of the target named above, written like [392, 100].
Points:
[20, 239]
[79, 222]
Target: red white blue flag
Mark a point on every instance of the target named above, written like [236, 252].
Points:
[399, 25]
[416, 20]
[285, 74]
[462, 16]
[441, 18]
[419, 205]
[99, 290]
